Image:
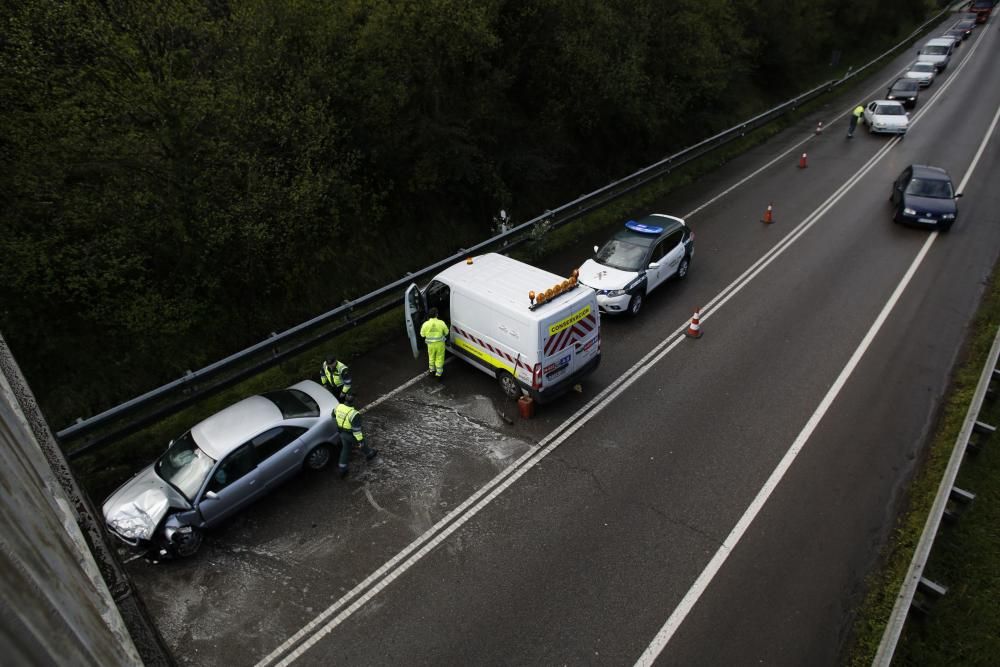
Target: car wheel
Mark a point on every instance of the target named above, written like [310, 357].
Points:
[635, 304]
[318, 458]
[508, 385]
[683, 267]
[943, 227]
[897, 215]
[186, 544]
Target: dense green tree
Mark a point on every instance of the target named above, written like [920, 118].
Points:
[181, 177]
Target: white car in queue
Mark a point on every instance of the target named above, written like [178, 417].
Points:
[886, 117]
[638, 259]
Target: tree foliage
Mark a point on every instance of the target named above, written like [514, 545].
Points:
[181, 177]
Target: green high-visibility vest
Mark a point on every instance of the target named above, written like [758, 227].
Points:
[334, 377]
[345, 416]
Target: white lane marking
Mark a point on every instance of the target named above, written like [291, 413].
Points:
[979, 152]
[729, 544]
[782, 156]
[584, 414]
[714, 565]
[461, 514]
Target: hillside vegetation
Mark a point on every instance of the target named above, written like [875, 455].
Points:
[181, 178]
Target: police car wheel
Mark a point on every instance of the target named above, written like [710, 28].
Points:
[508, 385]
[318, 458]
[635, 304]
[682, 268]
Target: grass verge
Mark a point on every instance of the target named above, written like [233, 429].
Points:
[964, 626]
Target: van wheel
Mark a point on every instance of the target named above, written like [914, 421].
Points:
[635, 304]
[508, 385]
[318, 458]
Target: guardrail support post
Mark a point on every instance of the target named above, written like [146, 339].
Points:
[984, 431]
[958, 501]
[928, 592]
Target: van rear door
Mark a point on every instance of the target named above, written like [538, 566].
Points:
[570, 340]
[415, 309]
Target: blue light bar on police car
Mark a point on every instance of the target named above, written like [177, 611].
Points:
[643, 229]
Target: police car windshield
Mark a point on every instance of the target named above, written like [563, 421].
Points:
[626, 252]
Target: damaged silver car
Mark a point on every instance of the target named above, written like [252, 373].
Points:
[222, 465]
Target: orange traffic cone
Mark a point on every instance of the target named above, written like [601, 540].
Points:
[694, 329]
[768, 215]
[802, 162]
[819, 127]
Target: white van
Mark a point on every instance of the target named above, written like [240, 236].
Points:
[936, 51]
[537, 333]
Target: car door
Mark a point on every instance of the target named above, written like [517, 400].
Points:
[673, 253]
[280, 452]
[869, 114]
[415, 312]
[234, 483]
[900, 185]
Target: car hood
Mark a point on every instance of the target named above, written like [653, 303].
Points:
[601, 277]
[935, 205]
[138, 506]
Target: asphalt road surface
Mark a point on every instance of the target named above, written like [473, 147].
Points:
[702, 502]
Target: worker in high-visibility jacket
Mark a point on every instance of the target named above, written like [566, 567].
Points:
[349, 426]
[336, 376]
[856, 115]
[435, 332]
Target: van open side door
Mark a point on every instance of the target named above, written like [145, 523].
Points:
[415, 309]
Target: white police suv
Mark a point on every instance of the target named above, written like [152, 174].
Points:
[636, 260]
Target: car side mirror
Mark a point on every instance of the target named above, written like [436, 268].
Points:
[958, 194]
[654, 265]
[907, 114]
[596, 248]
[211, 494]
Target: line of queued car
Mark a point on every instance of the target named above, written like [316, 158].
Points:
[889, 115]
[922, 195]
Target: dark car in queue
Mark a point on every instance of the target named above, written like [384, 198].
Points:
[220, 466]
[966, 26]
[904, 90]
[924, 196]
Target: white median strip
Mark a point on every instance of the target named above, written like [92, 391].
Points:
[333, 616]
[330, 618]
[714, 565]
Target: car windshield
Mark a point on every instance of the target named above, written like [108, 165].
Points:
[936, 50]
[184, 465]
[922, 187]
[620, 254]
[293, 403]
[904, 86]
[890, 110]
[923, 67]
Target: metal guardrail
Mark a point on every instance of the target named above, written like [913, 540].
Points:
[914, 575]
[226, 372]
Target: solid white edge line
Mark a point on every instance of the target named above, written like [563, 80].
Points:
[569, 426]
[900, 610]
[705, 578]
[715, 564]
[461, 514]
